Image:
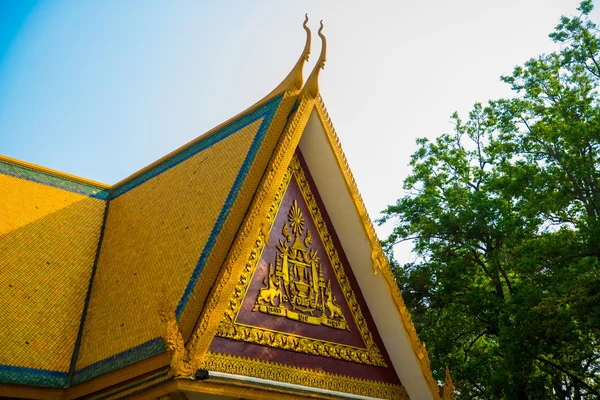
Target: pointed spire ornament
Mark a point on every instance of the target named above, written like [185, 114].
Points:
[295, 76]
[312, 83]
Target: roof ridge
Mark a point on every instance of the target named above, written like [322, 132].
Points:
[293, 81]
[52, 172]
[73, 363]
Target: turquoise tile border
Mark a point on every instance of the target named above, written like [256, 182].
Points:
[32, 376]
[265, 111]
[120, 360]
[269, 113]
[49, 179]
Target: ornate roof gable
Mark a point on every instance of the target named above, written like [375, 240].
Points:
[284, 277]
[298, 307]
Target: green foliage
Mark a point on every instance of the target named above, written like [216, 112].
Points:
[504, 216]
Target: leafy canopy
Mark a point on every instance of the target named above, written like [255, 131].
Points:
[504, 215]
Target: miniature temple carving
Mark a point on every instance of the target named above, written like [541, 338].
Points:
[295, 287]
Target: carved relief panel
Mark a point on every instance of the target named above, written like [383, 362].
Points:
[294, 293]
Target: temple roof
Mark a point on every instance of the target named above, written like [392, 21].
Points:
[86, 267]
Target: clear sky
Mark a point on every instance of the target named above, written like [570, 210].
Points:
[100, 89]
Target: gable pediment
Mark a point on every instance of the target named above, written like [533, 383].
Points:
[297, 303]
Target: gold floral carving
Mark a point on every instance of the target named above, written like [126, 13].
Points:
[231, 329]
[380, 262]
[302, 376]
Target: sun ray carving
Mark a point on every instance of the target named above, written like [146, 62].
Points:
[296, 219]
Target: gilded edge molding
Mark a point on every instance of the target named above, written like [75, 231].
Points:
[380, 262]
[250, 229]
[241, 391]
[302, 376]
[229, 328]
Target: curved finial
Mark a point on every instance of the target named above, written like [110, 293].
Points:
[295, 75]
[306, 52]
[312, 83]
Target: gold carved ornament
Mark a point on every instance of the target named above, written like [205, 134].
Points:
[380, 261]
[181, 363]
[295, 288]
[302, 376]
[252, 233]
[447, 390]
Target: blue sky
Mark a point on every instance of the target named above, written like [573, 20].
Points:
[100, 89]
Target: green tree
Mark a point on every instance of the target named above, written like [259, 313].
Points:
[504, 216]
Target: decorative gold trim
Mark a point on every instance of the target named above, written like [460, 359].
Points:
[251, 230]
[180, 366]
[231, 329]
[380, 261]
[447, 390]
[242, 391]
[301, 376]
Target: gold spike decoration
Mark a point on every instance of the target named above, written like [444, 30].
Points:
[312, 83]
[448, 388]
[295, 76]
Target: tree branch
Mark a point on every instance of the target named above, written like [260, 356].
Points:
[564, 371]
[472, 343]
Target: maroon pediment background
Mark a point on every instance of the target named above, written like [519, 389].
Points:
[351, 337]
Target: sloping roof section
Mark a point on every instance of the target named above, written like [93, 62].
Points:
[50, 224]
[161, 229]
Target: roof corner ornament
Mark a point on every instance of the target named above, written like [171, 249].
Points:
[295, 76]
[180, 365]
[312, 83]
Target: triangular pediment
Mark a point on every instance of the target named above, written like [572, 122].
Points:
[296, 295]
[297, 304]
[264, 329]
